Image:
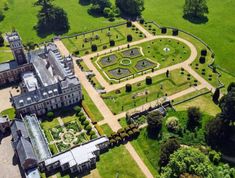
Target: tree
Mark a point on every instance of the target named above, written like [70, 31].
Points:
[132, 8]
[50, 114]
[102, 4]
[1, 39]
[77, 109]
[216, 95]
[167, 148]
[51, 19]
[217, 132]
[227, 104]
[195, 8]
[94, 47]
[154, 120]
[194, 118]
[188, 160]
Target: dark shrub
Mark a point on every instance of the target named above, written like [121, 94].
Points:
[203, 52]
[141, 21]
[202, 59]
[163, 30]
[129, 24]
[175, 32]
[104, 47]
[148, 80]
[128, 88]
[94, 47]
[112, 43]
[86, 122]
[194, 118]
[88, 128]
[129, 38]
[50, 114]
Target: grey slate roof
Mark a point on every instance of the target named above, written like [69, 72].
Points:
[18, 125]
[24, 151]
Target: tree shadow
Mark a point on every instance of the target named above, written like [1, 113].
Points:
[84, 2]
[196, 20]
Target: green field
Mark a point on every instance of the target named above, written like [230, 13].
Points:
[110, 164]
[218, 32]
[79, 19]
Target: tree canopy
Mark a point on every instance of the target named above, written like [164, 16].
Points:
[154, 120]
[188, 160]
[195, 8]
[131, 8]
[194, 118]
[51, 19]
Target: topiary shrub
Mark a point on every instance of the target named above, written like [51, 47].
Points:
[77, 52]
[128, 88]
[82, 118]
[93, 137]
[112, 43]
[94, 47]
[129, 38]
[163, 30]
[148, 80]
[172, 124]
[86, 122]
[129, 24]
[142, 21]
[88, 128]
[202, 59]
[175, 32]
[203, 52]
[92, 132]
[77, 109]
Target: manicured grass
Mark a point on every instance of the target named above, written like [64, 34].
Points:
[79, 19]
[47, 125]
[88, 103]
[101, 38]
[107, 130]
[220, 37]
[117, 162]
[204, 102]
[5, 54]
[10, 113]
[143, 93]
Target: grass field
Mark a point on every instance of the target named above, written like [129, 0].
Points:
[107, 130]
[218, 32]
[142, 93]
[22, 15]
[110, 164]
[9, 112]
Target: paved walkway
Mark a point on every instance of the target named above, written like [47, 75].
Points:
[143, 30]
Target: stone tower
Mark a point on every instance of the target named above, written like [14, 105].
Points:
[17, 47]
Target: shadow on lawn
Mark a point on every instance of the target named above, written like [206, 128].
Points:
[196, 20]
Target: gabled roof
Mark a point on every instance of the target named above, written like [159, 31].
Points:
[18, 125]
[25, 151]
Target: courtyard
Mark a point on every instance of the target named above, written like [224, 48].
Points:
[65, 132]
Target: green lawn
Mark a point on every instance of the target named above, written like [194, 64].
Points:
[218, 32]
[141, 93]
[10, 113]
[95, 114]
[204, 102]
[107, 130]
[117, 162]
[22, 15]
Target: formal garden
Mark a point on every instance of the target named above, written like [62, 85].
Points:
[138, 60]
[148, 90]
[66, 132]
[97, 40]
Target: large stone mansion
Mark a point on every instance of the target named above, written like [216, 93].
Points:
[47, 79]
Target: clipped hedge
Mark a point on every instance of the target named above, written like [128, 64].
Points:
[175, 32]
[148, 80]
[163, 30]
[89, 113]
[129, 38]
[99, 129]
